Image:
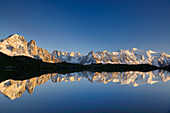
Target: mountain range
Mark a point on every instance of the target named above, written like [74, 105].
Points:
[16, 45]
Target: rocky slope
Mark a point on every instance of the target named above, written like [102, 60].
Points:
[15, 88]
[16, 45]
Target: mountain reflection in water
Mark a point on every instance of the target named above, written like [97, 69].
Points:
[15, 88]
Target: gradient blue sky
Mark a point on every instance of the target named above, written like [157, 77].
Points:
[82, 26]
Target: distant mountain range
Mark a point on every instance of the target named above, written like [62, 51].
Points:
[15, 88]
[16, 45]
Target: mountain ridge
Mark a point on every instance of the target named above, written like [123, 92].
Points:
[16, 45]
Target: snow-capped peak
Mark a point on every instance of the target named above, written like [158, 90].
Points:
[69, 57]
[17, 45]
[104, 51]
[130, 56]
[134, 49]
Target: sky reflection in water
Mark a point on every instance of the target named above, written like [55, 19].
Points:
[90, 92]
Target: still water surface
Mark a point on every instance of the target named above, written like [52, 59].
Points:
[124, 92]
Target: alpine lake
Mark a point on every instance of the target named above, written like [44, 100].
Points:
[88, 92]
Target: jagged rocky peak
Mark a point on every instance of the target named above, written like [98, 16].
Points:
[134, 49]
[91, 53]
[70, 57]
[89, 59]
[16, 37]
[105, 51]
[32, 42]
[16, 45]
[78, 53]
[150, 51]
[69, 54]
[58, 54]
[32, 48]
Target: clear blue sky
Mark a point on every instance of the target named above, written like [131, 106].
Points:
[82, 26]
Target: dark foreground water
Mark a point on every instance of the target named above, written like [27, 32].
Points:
[88, 92]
